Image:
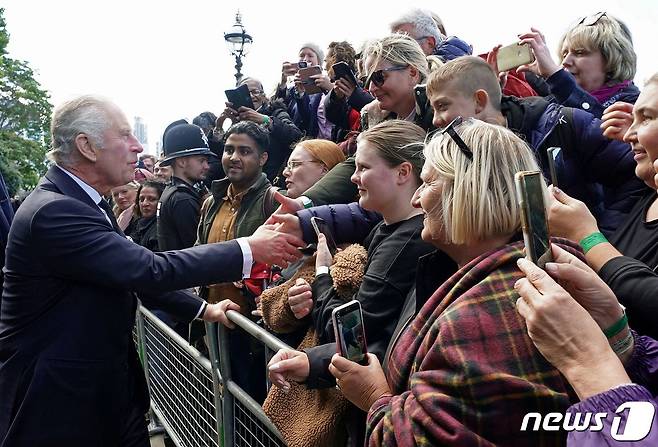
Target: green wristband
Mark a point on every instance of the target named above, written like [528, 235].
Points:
[590, 241]
[617, 327]
[266, 120]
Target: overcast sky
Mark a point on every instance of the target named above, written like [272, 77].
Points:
[167, 60]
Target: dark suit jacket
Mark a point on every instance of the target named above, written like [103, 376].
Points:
[68, 366]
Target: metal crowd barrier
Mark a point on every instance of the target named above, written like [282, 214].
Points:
[194, 397]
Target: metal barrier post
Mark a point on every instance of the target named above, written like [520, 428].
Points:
[217, 377]
[248, 425]
[227, 397]
[141, 338]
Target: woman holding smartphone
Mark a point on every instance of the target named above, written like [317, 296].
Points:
[631, 253]
[388, 164]
[461, 369]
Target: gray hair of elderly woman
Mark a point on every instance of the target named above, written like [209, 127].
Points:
[476, 197]
[612, 38]
[89, 115]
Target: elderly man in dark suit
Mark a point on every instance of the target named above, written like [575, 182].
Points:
[69, 372]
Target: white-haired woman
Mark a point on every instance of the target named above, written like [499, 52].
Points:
[463, 370]
[597, 63]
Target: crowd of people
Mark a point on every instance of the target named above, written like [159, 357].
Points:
[410, 160]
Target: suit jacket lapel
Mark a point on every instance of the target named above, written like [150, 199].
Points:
[67, 186]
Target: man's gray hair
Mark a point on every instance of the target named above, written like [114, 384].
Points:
[422, 22]
[86, 114]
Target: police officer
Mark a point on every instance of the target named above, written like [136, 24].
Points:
[186, 151]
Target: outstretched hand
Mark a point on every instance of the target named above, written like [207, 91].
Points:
[288, 205]
[274, 247]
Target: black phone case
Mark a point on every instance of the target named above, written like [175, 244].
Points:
[240, 97]
[342, 70]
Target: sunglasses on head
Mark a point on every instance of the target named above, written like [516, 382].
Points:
[450, 130]
[377, 77]
[592, 19]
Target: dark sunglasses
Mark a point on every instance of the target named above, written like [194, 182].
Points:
[450, 130]
[592, 19]
[377, 77]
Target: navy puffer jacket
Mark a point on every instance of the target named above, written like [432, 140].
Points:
[591, 168]
[452, 48]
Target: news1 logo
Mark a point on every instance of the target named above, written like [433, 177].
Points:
[638, 421]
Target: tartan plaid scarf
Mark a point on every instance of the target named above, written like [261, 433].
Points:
[465, 372]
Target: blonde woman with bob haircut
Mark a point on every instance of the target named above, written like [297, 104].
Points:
[461, 370]
[598, 63]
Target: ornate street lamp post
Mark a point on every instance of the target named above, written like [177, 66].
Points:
[238, 42]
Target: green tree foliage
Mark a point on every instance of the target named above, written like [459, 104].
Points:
[25, 112]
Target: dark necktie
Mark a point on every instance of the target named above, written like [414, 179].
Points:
[110, 215]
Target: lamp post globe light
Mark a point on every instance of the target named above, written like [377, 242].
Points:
[238, 43]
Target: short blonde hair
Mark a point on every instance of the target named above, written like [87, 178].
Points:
[470, 74]
[478, 199]
[608, 37]
[400, 50]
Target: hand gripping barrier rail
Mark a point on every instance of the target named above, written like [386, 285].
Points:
[194, 397]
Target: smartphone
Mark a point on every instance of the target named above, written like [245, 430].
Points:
[530, 195]
[350, 333]
[513, 56]
[553, 153]
[342, 70]
[240, 97]
[305, 76]
[320, 226]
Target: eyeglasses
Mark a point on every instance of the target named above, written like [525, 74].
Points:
[256, 92]
[377, 77]
[294, 164]
[450, 130]
[592, 19]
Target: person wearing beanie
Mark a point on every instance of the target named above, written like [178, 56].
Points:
[314, 57]
[307, 109]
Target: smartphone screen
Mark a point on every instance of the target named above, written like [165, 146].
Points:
[350, 333]
[530, 195]
[553, 154]
[320, 226]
